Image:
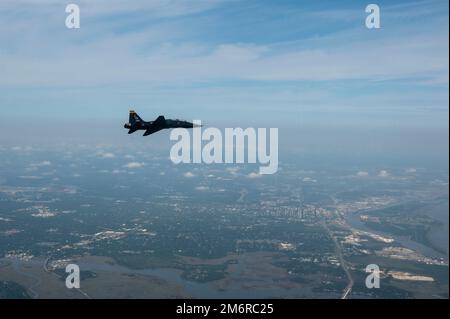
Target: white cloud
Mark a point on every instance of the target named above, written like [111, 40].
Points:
[409, 55]
[153, 8]
[233, 170]
[134, 165]
[163, 53]
[44, 163]
[106, 155]
[34, 166]
[30, 177]
[188, 174]
[362, 174]
[254, 175]
[202, 188]
[383, 173]
[411, 170]
[102, 8]
[309, 180]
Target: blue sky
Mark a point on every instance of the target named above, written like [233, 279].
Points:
[298, 62]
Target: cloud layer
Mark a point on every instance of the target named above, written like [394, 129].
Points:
[205, 55]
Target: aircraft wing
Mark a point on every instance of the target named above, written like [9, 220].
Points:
[152, 130]
[178, 123]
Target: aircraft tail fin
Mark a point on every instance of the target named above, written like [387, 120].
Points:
[134, 118]
[160, 120]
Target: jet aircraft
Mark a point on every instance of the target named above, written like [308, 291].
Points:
[135, 123]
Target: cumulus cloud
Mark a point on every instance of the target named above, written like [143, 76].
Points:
[43, 163]
[202, 188]
[254, 175]
[309, 180]
[106, 155]
[233, 170]
[188, 174]
[134, 165]
[411, 170]
[362, 174]
[383, 173]
[30, 177]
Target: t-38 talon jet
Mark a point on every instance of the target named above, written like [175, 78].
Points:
[135, 123]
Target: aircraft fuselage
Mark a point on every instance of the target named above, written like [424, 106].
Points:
[135, 123]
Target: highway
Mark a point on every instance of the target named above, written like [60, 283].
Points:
[347, 290]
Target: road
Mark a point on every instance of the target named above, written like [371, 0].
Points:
[347, 290]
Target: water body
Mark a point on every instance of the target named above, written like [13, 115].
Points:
[191, 288]
[204, 290]
[353, 219]
[438, 235]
